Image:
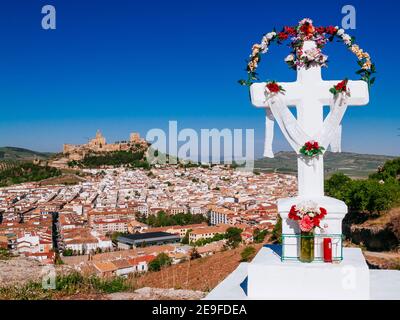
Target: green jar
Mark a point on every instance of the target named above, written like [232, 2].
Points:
[307, 246]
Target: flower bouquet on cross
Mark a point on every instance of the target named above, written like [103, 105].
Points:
[312, 149]
[341, 87]
[272, 87]
[309, 215]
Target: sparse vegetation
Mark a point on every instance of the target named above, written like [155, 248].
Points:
[73, 283]
[277, 231]
[26, 172]
[248, 253]
[4, 254]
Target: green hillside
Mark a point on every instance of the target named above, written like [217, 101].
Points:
[352, 164]
[16, 154]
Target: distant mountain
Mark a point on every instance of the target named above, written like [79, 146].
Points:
[16, 154]
[352, 164]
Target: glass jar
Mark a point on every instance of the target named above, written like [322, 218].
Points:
[307, 246]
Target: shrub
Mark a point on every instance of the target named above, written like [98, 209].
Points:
[160, 261]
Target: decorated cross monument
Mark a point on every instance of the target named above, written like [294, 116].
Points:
[312, 251]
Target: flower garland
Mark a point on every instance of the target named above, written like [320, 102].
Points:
[308, 214]
[306, 31]
[312, 149]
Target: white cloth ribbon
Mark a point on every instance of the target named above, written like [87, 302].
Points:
[329, 135]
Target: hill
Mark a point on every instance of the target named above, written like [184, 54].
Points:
[352, 164]
[21, 154]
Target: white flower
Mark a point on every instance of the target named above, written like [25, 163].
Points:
[312, 54]
[264, 40]
[271, 35]
[289, 58]
[346, 39]
[340, 32]
[306, 20]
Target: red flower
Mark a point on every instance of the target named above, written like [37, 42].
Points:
[293, 213]
[306, 224]
[309, 146]
[316, 221]
[307, 28]
[331, 30]
[341, 86]
[320, 29]
[316, 146]
[282, 36]
[273, 87]
[323, 213]
[290, 30]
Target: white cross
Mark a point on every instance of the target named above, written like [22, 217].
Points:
[309, 94]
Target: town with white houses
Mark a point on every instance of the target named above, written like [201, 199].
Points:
[47, 222]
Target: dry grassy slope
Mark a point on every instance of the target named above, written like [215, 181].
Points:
[201, 274]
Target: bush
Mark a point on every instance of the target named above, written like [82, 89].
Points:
[68, 252]
[4, 254]
[259, 235]
[380, 192]
[160, 261]
[247, 254]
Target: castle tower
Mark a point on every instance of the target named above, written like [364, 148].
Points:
[98, 142]
[135, 137]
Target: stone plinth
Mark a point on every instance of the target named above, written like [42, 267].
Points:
[269, 278]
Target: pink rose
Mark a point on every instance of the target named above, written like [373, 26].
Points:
[306, 224]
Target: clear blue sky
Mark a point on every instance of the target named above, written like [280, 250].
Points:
[126, 66]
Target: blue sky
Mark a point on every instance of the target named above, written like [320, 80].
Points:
[125, 66]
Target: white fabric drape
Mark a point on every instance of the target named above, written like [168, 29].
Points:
[329, 135]
[269, 133]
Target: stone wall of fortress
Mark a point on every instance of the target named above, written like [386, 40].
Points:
[99, 144]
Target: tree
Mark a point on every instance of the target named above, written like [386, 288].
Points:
[248, 253]
[160, 261]
[185, 239]
[233, 236]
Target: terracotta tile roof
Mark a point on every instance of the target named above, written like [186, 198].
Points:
[121, 264]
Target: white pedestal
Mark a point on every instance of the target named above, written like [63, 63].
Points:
[269, 278]
[336, 211]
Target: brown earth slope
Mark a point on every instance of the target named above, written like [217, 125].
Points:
[201, 274]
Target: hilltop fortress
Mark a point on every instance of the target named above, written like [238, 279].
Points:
[99, 144]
